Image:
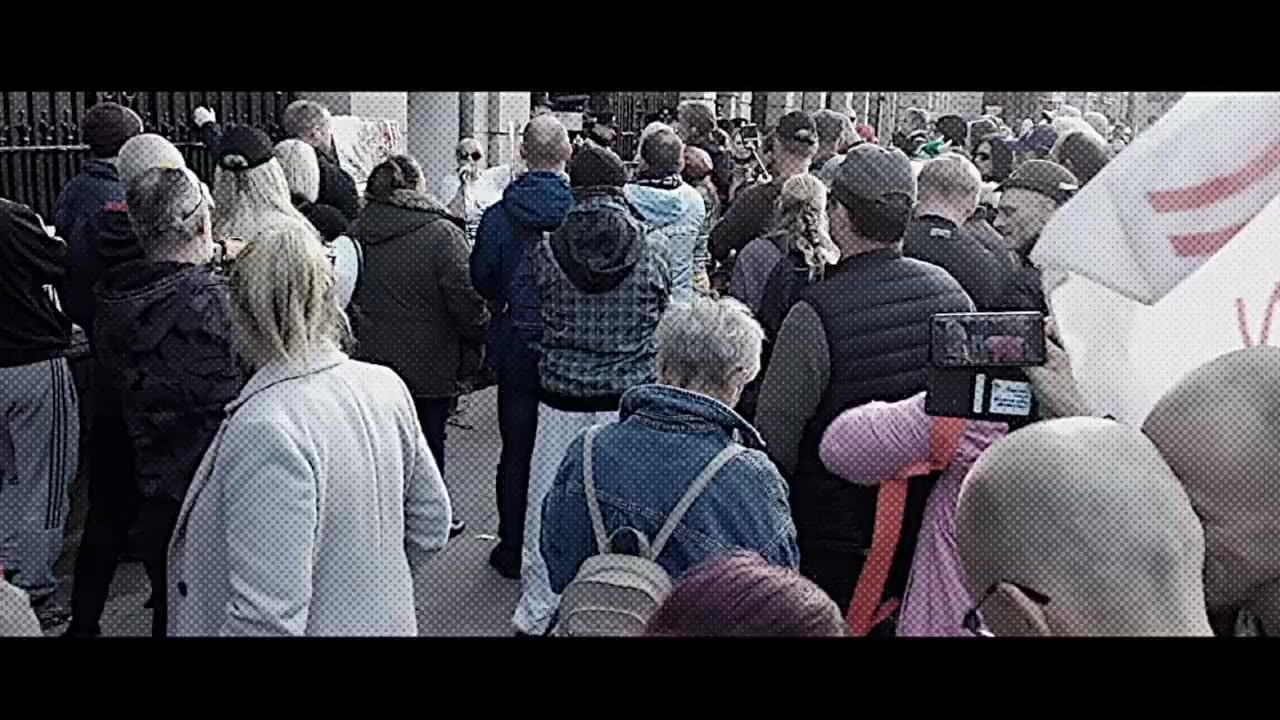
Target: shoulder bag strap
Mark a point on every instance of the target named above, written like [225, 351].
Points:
[867, 611]
[730, 452]
[603, 541]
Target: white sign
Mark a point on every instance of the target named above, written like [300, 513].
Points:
[1172, 253]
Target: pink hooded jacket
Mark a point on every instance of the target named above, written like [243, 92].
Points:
[872, 443]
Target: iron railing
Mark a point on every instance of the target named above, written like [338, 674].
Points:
[41, 148]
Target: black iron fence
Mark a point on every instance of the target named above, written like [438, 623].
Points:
[41, 148]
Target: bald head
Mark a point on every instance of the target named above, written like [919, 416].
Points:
[545, 145]
[1085, 512]
[1219, 429]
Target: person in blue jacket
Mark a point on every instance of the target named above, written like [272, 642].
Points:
[533, 205]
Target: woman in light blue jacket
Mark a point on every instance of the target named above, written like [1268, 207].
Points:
[669, 204]
[319, 490]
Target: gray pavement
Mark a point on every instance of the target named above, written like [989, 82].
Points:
[458, 593]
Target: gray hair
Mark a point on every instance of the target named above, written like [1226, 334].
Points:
[140, 153]
[305, 118]
[301, 169]
[709, 346]
[247, 201]
[168, 211]
[284, 305]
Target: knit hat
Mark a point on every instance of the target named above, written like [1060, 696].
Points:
[1047, 178]
[107, 126]
[595, 166]
[244, 148]
[144, 152]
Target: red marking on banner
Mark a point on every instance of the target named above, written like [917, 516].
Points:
[1268, 319]
[1219, 188]
[1204, 244]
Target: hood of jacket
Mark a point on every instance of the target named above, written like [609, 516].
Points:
[538, 200]
[404, 213]
[686, 411]
[659, 206]
[600, 241]
[148, 299]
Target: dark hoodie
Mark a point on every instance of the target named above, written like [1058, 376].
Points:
[534, 204]
[604, 282]
[163, 336]
[94, 220]
[415, 309]
[32, 330]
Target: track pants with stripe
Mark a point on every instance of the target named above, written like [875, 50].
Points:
[39, 451]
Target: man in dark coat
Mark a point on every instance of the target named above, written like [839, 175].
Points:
[1027, 200]
[939, 233]
[533, 205]
[862, 334]
[163, 334]
[310, 122]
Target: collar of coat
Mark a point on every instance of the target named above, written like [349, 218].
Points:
[678, 405]
[278, 371]
[418, 200]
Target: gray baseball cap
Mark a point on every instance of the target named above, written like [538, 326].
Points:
[875, 173]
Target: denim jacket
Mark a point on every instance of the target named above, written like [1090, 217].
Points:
[644, 464]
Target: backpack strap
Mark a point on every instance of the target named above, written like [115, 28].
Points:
[603, 541]
[724, 456]
[867, 611]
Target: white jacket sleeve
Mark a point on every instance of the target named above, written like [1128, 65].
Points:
[271, 505]
[427, 510]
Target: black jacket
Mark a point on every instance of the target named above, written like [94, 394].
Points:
[745, 220]
[94, 220]
[862, 334]
[953, 248]
[415, 308]
[163, 337]
[31, 327]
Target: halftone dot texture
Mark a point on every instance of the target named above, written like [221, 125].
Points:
[456, 593]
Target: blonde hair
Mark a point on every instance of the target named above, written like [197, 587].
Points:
[246, 201]
[283, 302]
[801, 220]
[301, 169]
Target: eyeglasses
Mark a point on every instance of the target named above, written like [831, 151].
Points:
[973, 619]
[474, 156]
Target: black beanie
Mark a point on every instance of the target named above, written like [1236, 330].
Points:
[107, 126]
[595, 166]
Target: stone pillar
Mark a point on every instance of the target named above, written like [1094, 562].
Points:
[841, 102]
[508, 112]
[433, 131]
[811, 101]
[778, 104]
[745, 101]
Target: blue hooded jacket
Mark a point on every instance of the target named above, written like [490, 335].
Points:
[535, 203]
[678, 212]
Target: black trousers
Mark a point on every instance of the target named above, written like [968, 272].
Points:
[835, 571]
[113, 508]
[433, 415]
[518, 427]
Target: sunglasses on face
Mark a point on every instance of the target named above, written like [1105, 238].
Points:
[473, 156]
[973, 619]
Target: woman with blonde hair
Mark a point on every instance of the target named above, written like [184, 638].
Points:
[775, 267]
[250, 189]
[800, 225]
[318, 491]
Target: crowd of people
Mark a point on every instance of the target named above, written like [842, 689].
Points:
[711, 367]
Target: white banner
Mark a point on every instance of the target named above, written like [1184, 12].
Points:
[1171, 252]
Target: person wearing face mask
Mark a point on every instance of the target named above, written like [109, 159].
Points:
[1078, 527]
[475, 187]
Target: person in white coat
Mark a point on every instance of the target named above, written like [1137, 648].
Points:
[319, 491]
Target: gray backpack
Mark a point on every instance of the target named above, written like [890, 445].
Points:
[613, 594]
